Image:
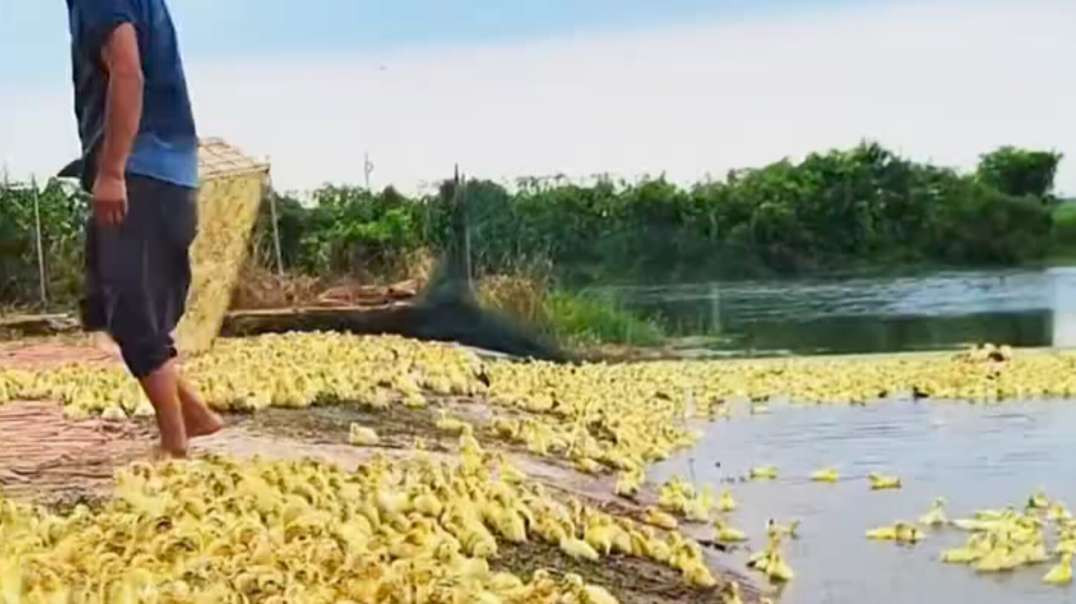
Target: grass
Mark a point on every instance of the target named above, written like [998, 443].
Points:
[591, 320]
[576, 318]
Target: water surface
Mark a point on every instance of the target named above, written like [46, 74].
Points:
[975, 456]
[842, 314]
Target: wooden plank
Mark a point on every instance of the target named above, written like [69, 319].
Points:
[39, 325]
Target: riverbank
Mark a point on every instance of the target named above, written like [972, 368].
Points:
[584, 433]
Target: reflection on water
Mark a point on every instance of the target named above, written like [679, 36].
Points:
[975, 456]
[875, 314]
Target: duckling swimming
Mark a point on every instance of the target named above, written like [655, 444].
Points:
[726, 503]
[763, 473]
[1061, 574]
[776, 530]
[883, 481]
[825, 475]
[936, 515]
[726, 534]
[1038, 501]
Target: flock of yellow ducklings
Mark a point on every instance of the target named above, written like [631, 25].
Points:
[601, 418]
[1000, 539]
[393, 531]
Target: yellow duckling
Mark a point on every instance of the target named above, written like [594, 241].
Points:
[883, 533]
[1061, 574]
[883, 481]
[578, 549]
[730, 593]
[776, 530]
[628, 483]
[361, 436]
[1058, 512]
[825, 475]
[908, 533]
[1038, 500]
[452, 425]
[659, 519]
[726, 534]
[726, 503]
[778, 570]
[763, 473]
[1032, 552]
[596, 594]
[936, 515]
[1000, 558]
[901, 532]
[962, 555]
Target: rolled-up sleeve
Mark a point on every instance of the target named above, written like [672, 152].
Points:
[99, 19]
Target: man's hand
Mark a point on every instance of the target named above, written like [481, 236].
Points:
[109, 199]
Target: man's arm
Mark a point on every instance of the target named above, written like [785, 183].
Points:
[123, 114]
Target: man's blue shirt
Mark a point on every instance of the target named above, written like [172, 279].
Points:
[166, 147]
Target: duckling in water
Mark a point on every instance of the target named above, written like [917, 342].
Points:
[779, 570]
[1038, 500]
[764, 473]
[825, 475]
[1000, 558]
[883, 481]
[726, 503]
[775, 530]
[726, 534]
[974, 549]
[936, 515]
[1061, 574]
[1058, 512]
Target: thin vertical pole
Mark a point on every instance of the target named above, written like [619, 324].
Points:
[367, 168]
[276, 233]
[40, 247]
[465, 219]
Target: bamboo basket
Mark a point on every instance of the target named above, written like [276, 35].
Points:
[230, 193]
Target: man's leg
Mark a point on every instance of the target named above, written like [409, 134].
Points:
[197, 417]
[162, 388]
[138, 284]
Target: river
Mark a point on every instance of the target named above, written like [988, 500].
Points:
[863, 314]
[976, 456]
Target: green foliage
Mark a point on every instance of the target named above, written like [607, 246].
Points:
[1063, 236]
[583, 318]
[589, 320]
[1019, 172]
[832, 210]
[62, 212]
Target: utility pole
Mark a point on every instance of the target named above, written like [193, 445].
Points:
[40, 247]
[463, 224]
[367, 168]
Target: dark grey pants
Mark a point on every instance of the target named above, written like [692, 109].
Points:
[138, 273]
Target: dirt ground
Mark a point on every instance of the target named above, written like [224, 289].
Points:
[57, 462]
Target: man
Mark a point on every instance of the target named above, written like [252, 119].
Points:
[139, 160]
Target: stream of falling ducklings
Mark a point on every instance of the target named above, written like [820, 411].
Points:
[216, 530]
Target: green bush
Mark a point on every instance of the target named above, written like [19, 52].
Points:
[588, 319]
[62, 215]
[1063, 235]
[832, 210]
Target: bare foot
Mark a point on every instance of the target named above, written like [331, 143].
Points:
[159, 453]
[204, 424]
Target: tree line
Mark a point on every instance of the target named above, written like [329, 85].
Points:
[832, 210]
